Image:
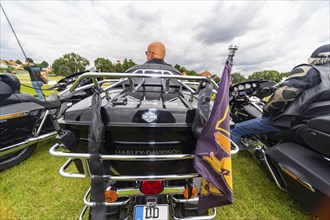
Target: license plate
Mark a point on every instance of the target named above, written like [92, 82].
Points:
[159, 212]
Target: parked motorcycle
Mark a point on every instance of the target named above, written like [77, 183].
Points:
[297, 159]
[24, 121]
[145, 162]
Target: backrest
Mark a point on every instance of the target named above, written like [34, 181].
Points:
[9, 84]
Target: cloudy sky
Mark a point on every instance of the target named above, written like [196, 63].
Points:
[272, 35]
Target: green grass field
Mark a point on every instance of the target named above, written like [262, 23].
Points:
[34, 190]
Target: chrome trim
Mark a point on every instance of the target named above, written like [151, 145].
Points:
[42, 122]
[152, 177]
[83, 211]
[236, 148]
[14, 115]
[272, 173]
[206, 217]
[190, 201]
[256, 106]
[299, 180]
[24, 144]
[71, 174]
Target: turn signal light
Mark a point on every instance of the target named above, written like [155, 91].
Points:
[190, 192]
[111, 195]
[151, 187]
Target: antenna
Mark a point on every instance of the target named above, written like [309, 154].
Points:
[33, 74]
[13, 30]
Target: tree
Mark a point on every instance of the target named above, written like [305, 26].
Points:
[266, 75]
[118, 67]
[103, 65]
[127, 64]
[237, 78]
[44, 64]
[285, 74]
[69, 63]
[181, 68]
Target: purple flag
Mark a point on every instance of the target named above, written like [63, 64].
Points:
[212, 155]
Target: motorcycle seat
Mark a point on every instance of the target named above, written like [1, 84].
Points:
[320, 123]
[287, 134]
[316, 109]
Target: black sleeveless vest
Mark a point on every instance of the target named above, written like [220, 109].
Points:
[310, 103]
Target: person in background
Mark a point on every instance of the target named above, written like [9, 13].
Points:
[305, 84]
[37, 79]
[156, 53]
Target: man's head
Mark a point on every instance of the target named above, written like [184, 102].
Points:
[320, 56]
[156, 50]
[29, 60]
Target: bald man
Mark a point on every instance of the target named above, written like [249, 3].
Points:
[156, 53]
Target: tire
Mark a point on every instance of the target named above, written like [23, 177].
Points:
[13, 159]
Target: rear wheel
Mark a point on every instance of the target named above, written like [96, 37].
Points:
[15, 158]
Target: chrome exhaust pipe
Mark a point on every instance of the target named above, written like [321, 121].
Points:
[24, 144]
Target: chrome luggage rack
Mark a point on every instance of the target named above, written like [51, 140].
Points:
[165, 75]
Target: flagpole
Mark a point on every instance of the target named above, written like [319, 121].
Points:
[233, 46]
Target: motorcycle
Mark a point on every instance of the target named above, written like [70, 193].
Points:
[24, 123]
[144, 165]
[298, 158]
[24, 120]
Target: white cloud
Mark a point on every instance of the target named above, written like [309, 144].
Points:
[273, 35]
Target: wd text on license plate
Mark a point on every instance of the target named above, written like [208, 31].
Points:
[159, 212]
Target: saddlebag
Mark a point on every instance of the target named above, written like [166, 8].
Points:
[304, 171]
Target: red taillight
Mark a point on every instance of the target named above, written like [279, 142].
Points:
[151, 187]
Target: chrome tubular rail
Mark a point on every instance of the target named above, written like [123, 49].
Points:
[190, 201]
[152, 177]
[85, 156]
[64, 173]
[128, 76]
[205, 217]
[234, 150]
[24, 144]
[54, 151]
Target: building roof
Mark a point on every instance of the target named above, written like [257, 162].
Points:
[206, 73]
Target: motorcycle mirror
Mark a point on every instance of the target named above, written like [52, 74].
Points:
[61, 86]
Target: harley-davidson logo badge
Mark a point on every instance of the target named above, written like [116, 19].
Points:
[149, 116]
